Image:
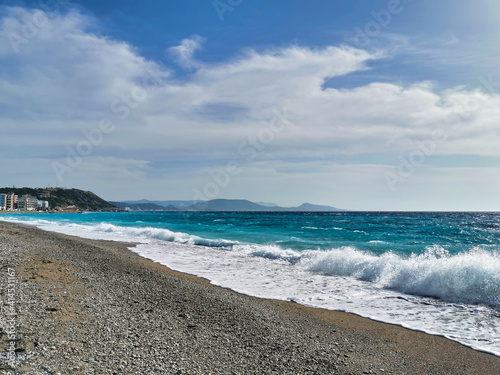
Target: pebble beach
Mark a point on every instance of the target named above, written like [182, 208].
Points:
[79, 306]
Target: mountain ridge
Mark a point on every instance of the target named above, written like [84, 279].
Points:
[166, 203]
[219, 205]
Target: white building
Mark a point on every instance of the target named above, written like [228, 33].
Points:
[43, 204]
[27, 203]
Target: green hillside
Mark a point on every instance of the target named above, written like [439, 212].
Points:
[63, 198]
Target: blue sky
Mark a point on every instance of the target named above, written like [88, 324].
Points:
[381, 105]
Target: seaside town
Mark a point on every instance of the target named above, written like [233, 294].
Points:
[12, 202]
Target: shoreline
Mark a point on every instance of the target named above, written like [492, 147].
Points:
[91, 294]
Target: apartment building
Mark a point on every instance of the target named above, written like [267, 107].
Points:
[8, 201]
[27, 203]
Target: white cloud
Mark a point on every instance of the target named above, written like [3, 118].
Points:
[67, 78]
[184, 53]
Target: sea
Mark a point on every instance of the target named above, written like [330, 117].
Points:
[433, 272]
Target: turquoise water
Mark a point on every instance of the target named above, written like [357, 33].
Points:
[436, 272]
[402, 233]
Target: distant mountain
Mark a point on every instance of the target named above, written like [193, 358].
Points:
[245, 205]
[267, 204]
[315, 207]
[232, 205]
[164, 203]
[227, 205]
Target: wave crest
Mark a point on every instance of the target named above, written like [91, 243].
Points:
[163, 235]
[472, 277]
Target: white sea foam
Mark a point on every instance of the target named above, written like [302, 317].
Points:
[471, 278]
[136, 234]
[388, 287]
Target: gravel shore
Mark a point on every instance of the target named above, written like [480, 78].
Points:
[95, 307]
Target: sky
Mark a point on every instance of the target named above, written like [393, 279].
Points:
[379, 105]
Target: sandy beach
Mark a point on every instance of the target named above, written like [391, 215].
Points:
[95, 307]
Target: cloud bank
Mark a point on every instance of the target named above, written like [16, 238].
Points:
[62, 80]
